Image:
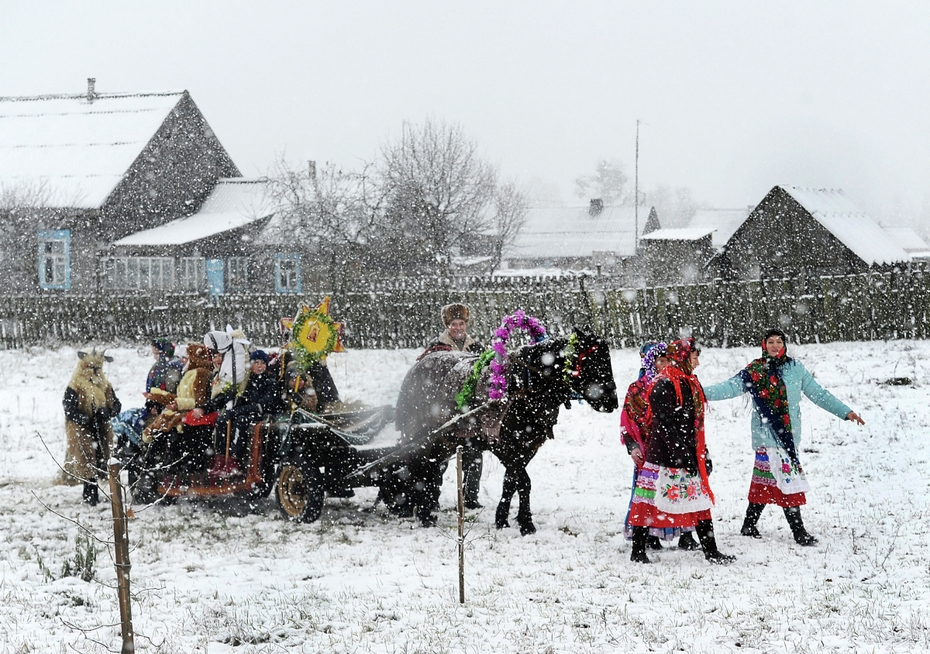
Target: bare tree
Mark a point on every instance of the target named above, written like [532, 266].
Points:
[438, 195]
[607, 183]
[329, 213]
[22, 207]
[510, 209]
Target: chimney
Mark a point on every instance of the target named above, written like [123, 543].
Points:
[596, 207]
[91, 94]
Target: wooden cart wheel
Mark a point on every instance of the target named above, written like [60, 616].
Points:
[300, 492]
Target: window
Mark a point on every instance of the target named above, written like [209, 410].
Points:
[238, 273]
[192, 274]
[138, 273]
[287, 273]
[55, 259]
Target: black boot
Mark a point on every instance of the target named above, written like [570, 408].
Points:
[686, 542]
[91, 493]
[705, 532]
[640, 536]
[653, 543]
[801, 537]
[753, 511]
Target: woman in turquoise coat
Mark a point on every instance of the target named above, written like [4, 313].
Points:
[776, 382]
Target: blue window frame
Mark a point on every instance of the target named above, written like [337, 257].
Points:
[287, 273]
[55, 259]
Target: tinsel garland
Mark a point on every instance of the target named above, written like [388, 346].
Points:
[517, 320]
[463, 398]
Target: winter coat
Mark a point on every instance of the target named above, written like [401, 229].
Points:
[673, 437]
[89, 403]
[797, 380]
[445, 343]
[193, 392]
[258, 398]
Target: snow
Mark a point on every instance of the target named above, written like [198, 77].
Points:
[562, 231]
[79, 149]
[233, 203]
[909, 241]
[854, 228]
[678, 234]
[219, 580]
[724, 222]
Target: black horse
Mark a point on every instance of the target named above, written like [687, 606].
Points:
[541, 378]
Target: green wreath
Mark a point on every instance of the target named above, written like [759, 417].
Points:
[463, 397]
[303, 357]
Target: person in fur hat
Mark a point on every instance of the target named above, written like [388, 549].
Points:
[177, 436]
[775, 381]
[89, 404]
[455, 317]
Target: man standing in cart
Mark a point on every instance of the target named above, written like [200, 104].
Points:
[455, 317]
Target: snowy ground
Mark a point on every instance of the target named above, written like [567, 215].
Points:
[209, 580]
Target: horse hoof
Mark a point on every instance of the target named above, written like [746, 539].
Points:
[502, 524]
[527, 529]
[428, 521]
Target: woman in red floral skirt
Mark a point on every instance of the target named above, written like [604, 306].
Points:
[673, 489]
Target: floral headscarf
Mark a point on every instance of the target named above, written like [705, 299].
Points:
[763, 378]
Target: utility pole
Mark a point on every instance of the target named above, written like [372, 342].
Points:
[636, 195]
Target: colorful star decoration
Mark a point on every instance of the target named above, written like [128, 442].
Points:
[314, 334]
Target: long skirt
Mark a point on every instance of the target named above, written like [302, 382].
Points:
[763, 488]
[645, 513]
[670, 533]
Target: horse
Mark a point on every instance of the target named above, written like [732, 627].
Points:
[541, 378]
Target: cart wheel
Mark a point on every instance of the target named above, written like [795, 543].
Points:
[300, 492]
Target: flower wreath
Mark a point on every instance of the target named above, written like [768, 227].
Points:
[325, 337]
[517, 320]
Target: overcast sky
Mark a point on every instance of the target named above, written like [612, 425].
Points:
[734, 97]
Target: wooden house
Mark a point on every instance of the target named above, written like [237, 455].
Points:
[592, 237]
[78, 172]
[800, 231]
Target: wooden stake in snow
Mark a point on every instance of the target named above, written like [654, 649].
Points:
[121, 541]
[461, 512]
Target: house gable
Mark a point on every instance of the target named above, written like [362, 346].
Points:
[781, 237]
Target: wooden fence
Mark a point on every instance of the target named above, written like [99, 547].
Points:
[405, 313]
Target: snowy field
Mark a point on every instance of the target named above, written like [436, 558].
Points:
[360, 580]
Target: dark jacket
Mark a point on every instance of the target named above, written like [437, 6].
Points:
[673, 441]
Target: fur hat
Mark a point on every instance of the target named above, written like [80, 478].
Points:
[259, 355]
[455, 311]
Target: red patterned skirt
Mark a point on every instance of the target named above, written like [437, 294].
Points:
[763, 489]
[644, 513]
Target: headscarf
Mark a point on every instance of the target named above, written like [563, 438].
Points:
[763, 378]
[636, 403]
[678, 371]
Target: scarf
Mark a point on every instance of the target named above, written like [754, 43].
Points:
[763, 378]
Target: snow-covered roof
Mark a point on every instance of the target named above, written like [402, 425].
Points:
[678, 234]
[908, 239]
[78, 150]
[854, 228]
[724, 222]
[233, 203]
[571, 231]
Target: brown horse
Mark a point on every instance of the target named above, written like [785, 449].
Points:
[540, 379]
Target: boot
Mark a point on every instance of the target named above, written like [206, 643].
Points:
[91, 493]
[640, 535]
[686, 542]
[705, 532]
[801, 537]
[753, 511]
[653, 543]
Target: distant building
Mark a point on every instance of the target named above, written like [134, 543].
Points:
[588, 237]
[909, 241]
[677, 256]
[217, 249]
[80, 171]
[723, 222]
[801, 231]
